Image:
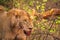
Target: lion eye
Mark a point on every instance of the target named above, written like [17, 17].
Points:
[25, 20]
[16, 16]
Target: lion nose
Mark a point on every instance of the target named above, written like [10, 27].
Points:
[30, 28]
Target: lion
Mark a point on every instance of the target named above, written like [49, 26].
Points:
[16, 25]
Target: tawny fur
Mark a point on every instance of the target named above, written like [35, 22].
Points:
[10, 26]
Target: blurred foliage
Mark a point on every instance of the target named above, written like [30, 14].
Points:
[58, 20]
[16, 3]
[54, 0]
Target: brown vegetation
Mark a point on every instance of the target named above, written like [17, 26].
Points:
[52, 12]
[49, 13]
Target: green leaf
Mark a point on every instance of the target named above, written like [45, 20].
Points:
[42, 6]
[58, 17]
[17, 5]
[52, 30]
[42, 10]
[37, 2]
[45, 0]
[31, 3]
[57, 21]
[38, 6]
[43, 27]
[54, 0]
[26, 7]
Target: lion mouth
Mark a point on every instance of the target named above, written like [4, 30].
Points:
[27, 33]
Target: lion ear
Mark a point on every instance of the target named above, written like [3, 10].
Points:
[2, 8]
[11, 12]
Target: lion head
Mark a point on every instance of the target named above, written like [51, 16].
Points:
[20, 22]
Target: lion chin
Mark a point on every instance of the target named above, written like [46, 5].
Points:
[27, 33]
